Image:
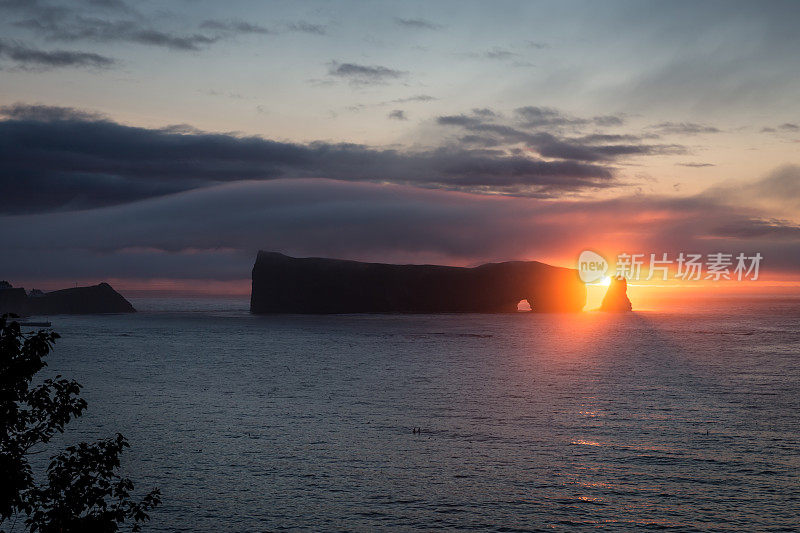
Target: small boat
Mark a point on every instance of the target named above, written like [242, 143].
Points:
[36, 324]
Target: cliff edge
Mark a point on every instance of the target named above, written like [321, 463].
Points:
[283, 284]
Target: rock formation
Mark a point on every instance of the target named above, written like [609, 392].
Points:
[94, 299]
[283, 284]
[616, 298]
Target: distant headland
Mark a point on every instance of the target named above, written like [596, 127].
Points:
[94, 299]
[283, 284]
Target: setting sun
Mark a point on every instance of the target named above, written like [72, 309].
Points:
[595, 293]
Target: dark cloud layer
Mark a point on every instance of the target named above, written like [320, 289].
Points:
[214, 233]
[61, 158]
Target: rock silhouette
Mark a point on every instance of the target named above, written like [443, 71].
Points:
[283, 284]
[616, 298]
[93, 299]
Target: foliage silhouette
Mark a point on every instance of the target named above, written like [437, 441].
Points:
[82, 491]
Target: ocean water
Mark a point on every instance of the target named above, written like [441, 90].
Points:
[687, 420]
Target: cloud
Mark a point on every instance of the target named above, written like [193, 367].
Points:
[684, 128]
[695, 165]
[785, 127]
[243, 27]
[499, 53]
[306, 27]
[496, 53]
[27, 57]
[739, 64]
[46, 113]
[538, 117]
[535, 117]
[214, 233]
[608, 120]
[537, 45]
[83, 28]
[98, 22]
[778, 192]
[62, 158]
[483, 112]
[782, 183]
[419, 98]
[37, 10]
[586, 148]
[398, 114]
[234, 26]
[479, 140]
[595, 138]
[227, 94]
[417, 24]
[363, 74]
[415, 98]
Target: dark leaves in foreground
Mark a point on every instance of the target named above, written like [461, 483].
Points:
[82, 491]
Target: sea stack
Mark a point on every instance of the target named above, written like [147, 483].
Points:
[616, 298]
[313, 285]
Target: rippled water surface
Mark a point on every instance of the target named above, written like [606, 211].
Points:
[684, 421]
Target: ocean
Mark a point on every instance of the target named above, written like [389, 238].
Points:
[688, 420]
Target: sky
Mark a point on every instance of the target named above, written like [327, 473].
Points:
[159, 145]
